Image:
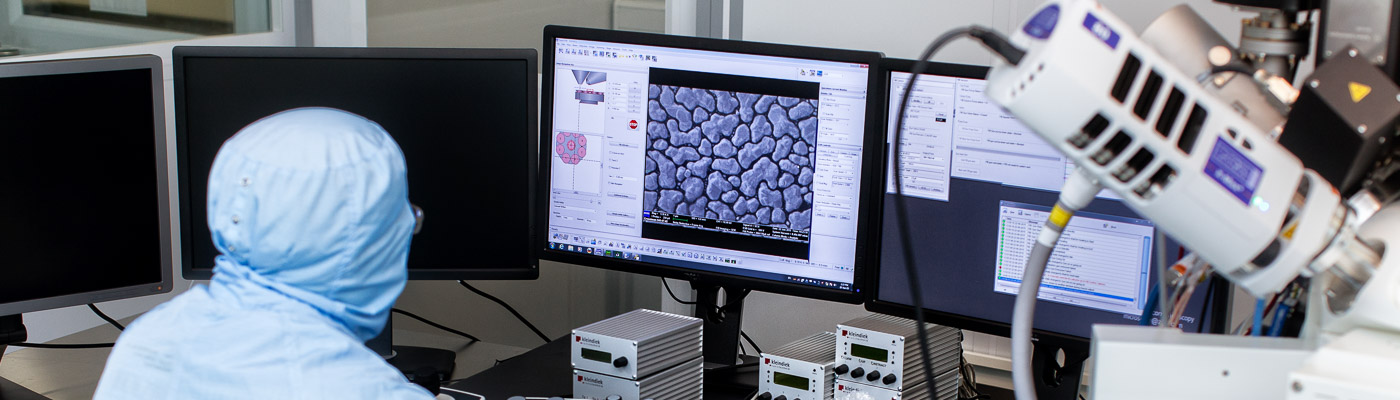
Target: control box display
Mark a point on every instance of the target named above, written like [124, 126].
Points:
[799, 370]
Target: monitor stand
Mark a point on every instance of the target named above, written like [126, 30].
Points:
[12, 331]
[722, 323]
[427, 367]
[1053, 380]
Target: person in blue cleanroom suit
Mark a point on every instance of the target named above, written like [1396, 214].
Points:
[309, 211]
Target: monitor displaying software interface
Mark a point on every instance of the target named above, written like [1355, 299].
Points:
[720, 162]
[980, 185]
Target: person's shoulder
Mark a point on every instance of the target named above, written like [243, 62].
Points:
[340, 367]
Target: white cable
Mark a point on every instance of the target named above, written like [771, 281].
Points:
[1078, 191]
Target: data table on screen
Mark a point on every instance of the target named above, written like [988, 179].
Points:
[1088, 266]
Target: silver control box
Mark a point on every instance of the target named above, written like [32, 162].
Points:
[799, 370]
[882, 351]
[680, 382]
[856, 391]
[946, 388]
[636, 344]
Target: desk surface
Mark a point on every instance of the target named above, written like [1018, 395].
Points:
[544, 372]
[73, 374]
[488, 369]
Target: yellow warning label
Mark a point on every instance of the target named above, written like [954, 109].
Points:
[1358, 91]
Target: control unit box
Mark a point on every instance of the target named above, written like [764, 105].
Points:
[636, 344]
[856, 391]
[799, 370]
[882, 351]
[945, 388]
[685, 381]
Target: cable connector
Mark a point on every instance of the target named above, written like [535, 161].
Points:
[998, 44]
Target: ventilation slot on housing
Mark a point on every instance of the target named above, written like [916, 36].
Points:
[1159, 181]
[1090, 131]
[1113, 148]
[1192, 130]
[1167, 119]
[1134, 165]
[1148, 96]
[1126, 77]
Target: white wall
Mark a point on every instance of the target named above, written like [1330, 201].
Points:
[902, 28]
[478, 23]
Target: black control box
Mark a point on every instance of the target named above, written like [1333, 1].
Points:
[1344, 119]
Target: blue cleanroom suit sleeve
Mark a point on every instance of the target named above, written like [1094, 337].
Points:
[309, 211]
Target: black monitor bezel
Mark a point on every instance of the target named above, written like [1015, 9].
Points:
[873, 302]
[160, 168]
[867, 245]
[179, 54]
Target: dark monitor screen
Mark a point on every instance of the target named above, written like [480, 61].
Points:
[85, 193]
[464, 118]
[739, 164]
[979, 185]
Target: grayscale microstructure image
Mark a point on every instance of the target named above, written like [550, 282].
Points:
[731, 156]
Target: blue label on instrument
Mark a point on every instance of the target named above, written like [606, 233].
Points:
[1043, 23]
[1233, 170]
[1100, 29]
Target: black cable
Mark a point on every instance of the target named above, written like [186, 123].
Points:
[901, 208]
[64, 346]
[751, 343]
[508, 308]
[1220, 69]
[1205, 303]
[719, 310]
[100, 314]
[969, 377]
[673, 294]
[104, 317]
[435, 325]
[736, 302]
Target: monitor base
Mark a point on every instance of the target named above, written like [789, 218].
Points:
[1052, 379]
[12, 329]
[13, 391]
[722, 323]
[426, 367]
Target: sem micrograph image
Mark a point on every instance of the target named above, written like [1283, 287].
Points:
[731, 156]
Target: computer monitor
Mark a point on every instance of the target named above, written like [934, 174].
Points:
[978, 186]
[464, 118]
[725, 163]
[87, 212]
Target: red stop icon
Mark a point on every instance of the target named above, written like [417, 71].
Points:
[632, 124]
